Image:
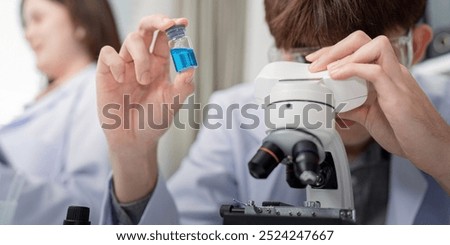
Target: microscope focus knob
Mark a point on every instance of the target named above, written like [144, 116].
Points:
[306, 161]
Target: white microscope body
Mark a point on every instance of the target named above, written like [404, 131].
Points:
[300, 109]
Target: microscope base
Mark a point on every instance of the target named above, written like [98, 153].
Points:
[285, 215]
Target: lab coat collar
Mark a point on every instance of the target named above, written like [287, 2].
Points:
[51, 99]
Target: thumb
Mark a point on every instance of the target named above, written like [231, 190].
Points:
[358, 115]
[183, 85]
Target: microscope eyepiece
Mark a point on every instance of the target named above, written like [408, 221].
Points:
[265, 160]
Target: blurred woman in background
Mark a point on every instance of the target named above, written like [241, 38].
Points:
[57, 148]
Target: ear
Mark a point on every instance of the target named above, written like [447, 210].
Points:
[422, 35]
[80, 33]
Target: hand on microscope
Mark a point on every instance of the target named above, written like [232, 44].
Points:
[143, 77]
[397, 114]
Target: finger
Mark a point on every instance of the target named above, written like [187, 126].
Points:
[340, 50]
[135, 50]
[386, 89]
[378, 51]
[181, 21]
[358, 115]
[161, 47]
[109, 62]
[149, 24]
[182, 85]
[315, 55]
[380, 129]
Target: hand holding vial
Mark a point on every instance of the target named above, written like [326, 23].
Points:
[143, 77]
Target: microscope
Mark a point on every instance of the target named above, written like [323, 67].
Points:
[300, 109]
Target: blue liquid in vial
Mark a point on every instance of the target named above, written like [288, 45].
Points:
[183, 58]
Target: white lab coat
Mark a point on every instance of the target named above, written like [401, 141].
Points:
[215, 172]
[59, 149]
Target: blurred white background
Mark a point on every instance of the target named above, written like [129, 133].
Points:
[19, 79]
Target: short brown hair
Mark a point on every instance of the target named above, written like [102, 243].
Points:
[97, 18]
[300, 23]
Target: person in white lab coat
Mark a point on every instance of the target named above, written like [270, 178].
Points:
[397, 142]
[57, 149]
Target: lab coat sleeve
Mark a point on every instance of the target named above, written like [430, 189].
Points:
[87, 165]
[204, 181]
[206, 178]
[65, 162]
[40, 202]
[80, 175]
[160, 209]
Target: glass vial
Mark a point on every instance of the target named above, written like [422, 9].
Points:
[180, 48]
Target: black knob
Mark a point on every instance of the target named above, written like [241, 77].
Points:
[306, 161]
[77, 215]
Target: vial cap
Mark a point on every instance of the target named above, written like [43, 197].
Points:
[176, 32]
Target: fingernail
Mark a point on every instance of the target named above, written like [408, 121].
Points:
[333, 65]
[334, 71]
[313, 66]
[310, 57]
